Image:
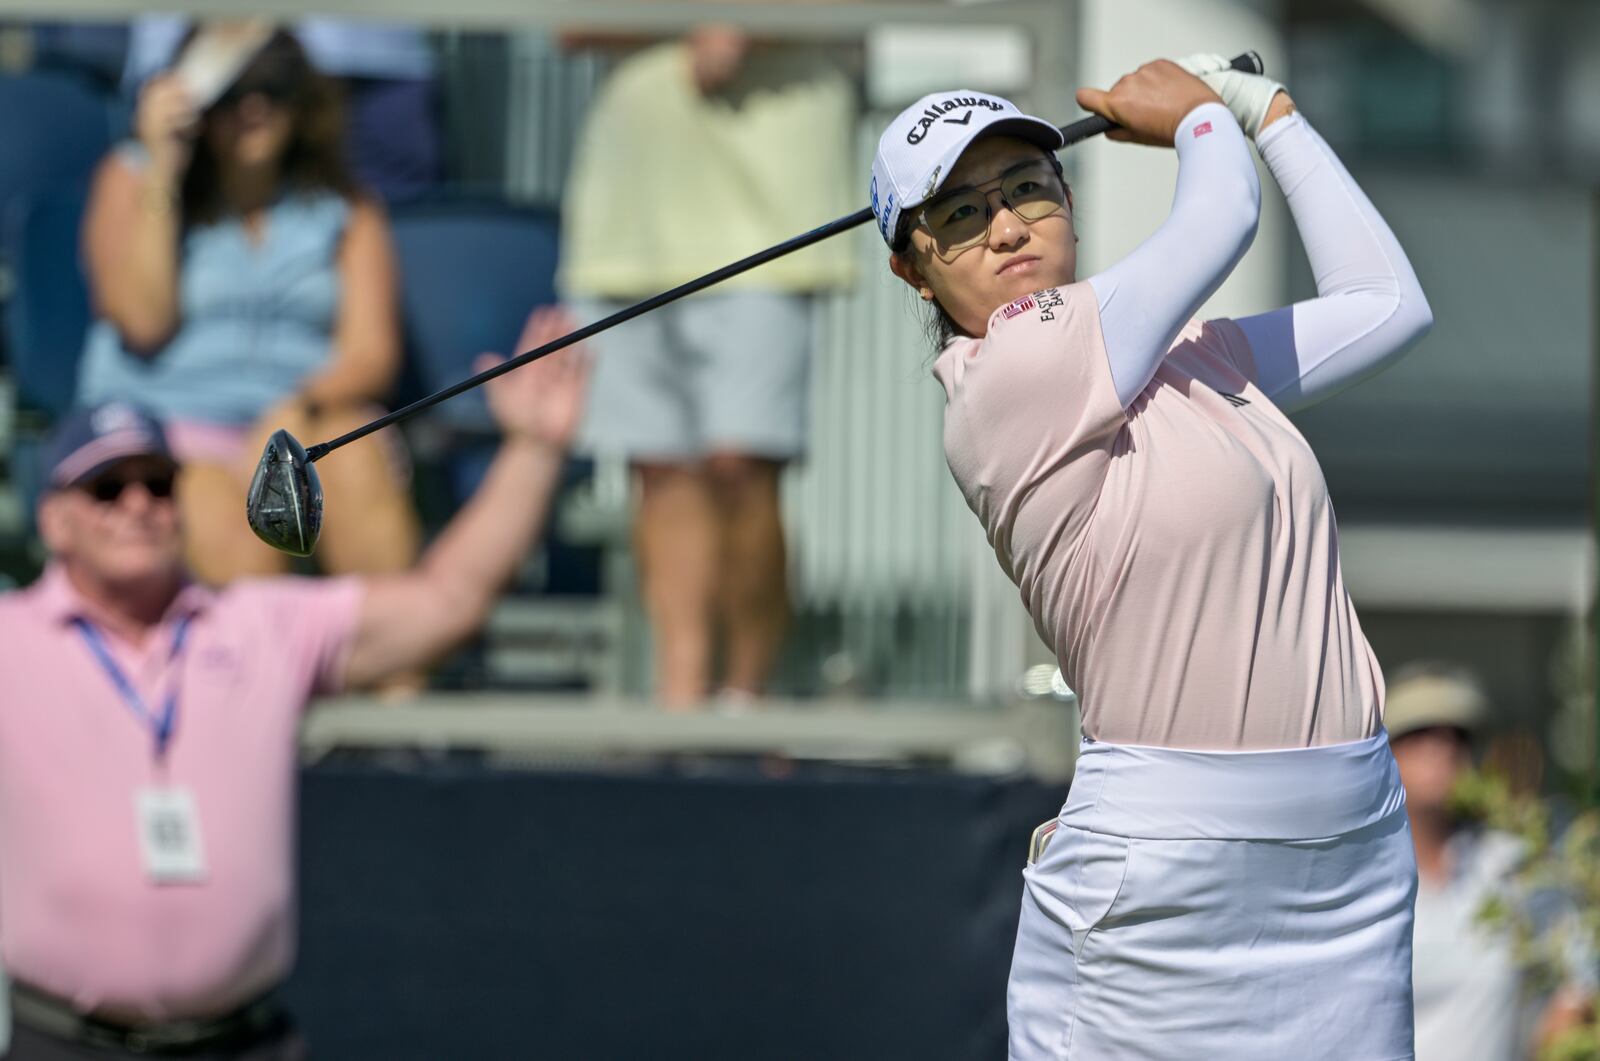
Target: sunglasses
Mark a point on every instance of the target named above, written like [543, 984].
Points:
[107, 489]
[280, 90]
[961, 218]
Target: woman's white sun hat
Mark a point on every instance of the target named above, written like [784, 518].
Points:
[918, 148]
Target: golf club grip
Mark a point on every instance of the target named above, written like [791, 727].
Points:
[1248, 62]
[1095, 124]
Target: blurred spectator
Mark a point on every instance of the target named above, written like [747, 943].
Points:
[244, 284]
[1472, 1001]
[697, 153]
[148, 731]
[1517, 758]
[387, 73]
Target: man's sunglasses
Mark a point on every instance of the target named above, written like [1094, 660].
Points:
[106, 489]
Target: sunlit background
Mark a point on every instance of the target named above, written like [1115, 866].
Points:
[1463, 477]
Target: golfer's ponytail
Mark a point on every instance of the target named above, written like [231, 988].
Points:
[939, 326]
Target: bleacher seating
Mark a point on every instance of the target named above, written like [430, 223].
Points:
[48, 314]
[55, 126]
[471, 270]
[46, 319]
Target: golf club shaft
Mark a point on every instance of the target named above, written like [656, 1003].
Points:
[1082, 129]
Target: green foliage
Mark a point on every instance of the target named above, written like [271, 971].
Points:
[1569, 865]
[1580, 1044]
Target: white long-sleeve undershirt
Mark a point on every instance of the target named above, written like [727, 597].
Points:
[1146, 298]
[1369, 305]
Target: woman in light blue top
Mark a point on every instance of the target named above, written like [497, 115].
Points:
[243, 284]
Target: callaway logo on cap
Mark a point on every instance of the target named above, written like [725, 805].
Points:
[918, 148]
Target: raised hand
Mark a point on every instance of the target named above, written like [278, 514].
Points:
[1149, 103]
[543, 401]
[165, 121]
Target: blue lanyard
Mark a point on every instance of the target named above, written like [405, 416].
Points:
[161, 725]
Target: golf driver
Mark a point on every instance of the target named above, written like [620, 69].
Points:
[284, 505]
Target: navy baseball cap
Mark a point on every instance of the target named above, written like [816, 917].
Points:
[88, 441]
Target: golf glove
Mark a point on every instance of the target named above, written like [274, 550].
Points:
[1247, 95]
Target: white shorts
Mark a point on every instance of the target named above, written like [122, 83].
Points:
[1240, 905]
[725, 372]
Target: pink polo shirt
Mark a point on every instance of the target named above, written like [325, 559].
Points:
[78, 917]
[1180, 555]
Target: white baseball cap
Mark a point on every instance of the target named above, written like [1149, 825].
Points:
[918, 148]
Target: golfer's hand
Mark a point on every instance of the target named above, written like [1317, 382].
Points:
[1251, 97]
[542, 402]
[1149, 103]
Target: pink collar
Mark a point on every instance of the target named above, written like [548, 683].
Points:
[54, 595]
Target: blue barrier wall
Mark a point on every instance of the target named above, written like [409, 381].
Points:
[450, 910]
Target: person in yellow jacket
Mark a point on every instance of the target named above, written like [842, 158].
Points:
[698, 152]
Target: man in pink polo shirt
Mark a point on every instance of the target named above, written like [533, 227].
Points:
[148, 731]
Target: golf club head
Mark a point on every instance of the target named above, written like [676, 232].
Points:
[284, 505]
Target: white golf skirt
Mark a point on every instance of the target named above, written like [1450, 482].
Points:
[1234, 905]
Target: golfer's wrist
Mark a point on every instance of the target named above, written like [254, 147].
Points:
[1280, 107]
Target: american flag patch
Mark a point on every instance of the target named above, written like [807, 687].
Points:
[1021, 305]
[1202, 129]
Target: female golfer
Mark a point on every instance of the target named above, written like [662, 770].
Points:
[1232, 875]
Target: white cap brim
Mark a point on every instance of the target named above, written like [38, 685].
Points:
[923, 143]
[1033, 130]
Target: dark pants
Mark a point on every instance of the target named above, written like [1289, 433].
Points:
[281, 1042]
